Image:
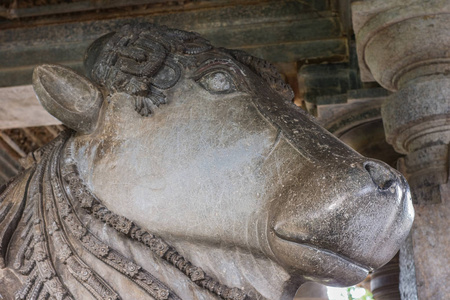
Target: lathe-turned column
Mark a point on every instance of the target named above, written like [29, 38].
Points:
[404, 45]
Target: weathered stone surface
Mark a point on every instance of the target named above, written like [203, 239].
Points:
[196, 178]
[368, 138]
[404, 46]
[357, 122]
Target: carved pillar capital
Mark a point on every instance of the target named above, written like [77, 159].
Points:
[417, 115]
[417, 123]
[400, 40]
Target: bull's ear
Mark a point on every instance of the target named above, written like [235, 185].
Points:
[69, 97]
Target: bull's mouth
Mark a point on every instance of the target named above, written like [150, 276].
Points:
[318, 264]
[293, 249]
[323, 251]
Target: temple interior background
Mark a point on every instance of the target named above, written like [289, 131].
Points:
[374, 73]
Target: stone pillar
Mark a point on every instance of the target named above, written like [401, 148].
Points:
[404, 45]
[385, 281]
[312, 291]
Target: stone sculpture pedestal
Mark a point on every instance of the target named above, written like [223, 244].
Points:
[405, 47]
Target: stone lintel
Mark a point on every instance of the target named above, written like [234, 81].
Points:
[360, 106]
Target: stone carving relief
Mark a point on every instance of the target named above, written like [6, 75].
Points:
[187, 173]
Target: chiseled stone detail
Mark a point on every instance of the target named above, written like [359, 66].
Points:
[33, 259]
[101, 250]
[212, 195]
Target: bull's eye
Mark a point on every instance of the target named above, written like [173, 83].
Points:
[218, 83]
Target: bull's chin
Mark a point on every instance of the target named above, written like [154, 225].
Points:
[314, 264]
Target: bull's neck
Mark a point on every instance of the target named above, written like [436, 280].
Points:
[89, 202]
[283, 286]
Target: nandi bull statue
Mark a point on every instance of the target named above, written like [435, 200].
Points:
[189, 174]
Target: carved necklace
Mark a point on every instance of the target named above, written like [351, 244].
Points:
[78, 191]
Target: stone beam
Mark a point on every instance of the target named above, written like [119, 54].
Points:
[18, 11]
[361, 106]
[404, 46]
[278, 31]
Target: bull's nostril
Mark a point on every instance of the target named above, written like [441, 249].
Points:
[381, 175]
[387, 184]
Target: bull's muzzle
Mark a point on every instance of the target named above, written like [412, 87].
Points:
[356, 222]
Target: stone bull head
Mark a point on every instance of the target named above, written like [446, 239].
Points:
[203, 147]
